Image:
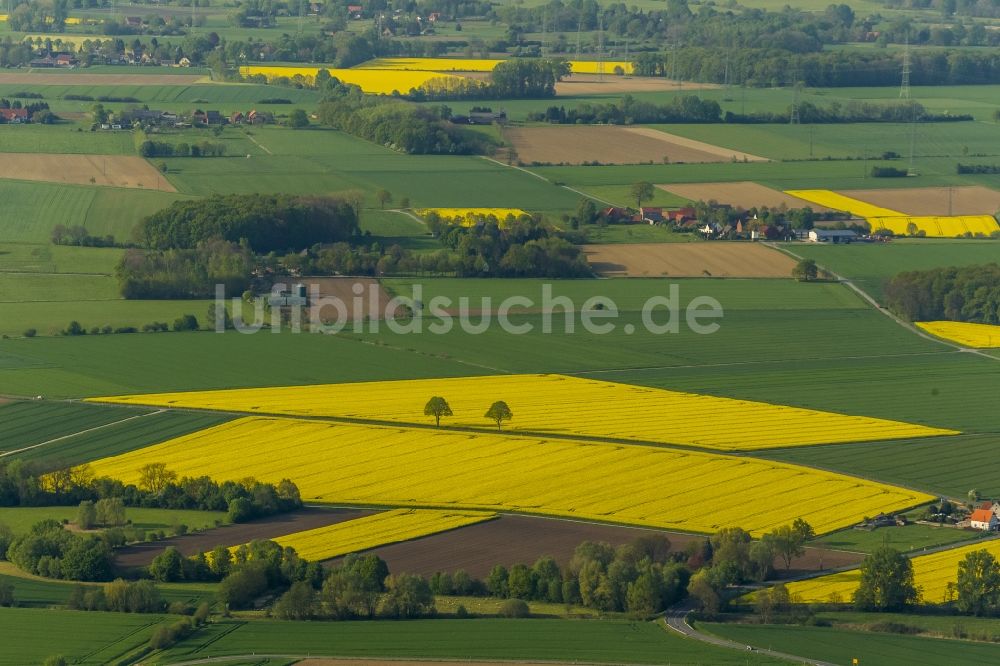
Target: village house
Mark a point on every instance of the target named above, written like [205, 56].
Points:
[984, 519]
[14, 116]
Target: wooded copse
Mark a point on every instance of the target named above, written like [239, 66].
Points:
[266, 222]
[969, 293]
[401, 126]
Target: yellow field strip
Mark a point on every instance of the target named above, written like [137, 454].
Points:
[980, 336]
[937, 226]
[484, 65]
[470, 216]
[354, 536]
[379, 82]
[559, 404]
[931, 573]
[900, 223]
[844, 203]
[630, 484]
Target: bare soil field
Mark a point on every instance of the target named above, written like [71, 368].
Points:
[611, 84]
[506, 540]
[711, 259]
[971, 200]
[140, 555]
[610, 144]
[32, 77]
[108, 170]
[742, 194]
[523, 539]
[373, 296]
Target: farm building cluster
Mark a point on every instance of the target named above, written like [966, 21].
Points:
[155, 119]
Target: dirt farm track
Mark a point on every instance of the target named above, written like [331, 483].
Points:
[713, 259]
[107, 170]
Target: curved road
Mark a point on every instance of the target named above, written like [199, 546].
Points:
[676, 619]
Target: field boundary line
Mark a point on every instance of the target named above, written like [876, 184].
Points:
[80, 432]
[543, 178]
[885, 311]
[258, 144]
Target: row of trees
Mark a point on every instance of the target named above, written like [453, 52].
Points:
[150, 148]
[692, 109]
[762, 67]
[968, 293]
[29, 484]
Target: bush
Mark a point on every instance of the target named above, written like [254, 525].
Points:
[514, 608]
[895, 628]
[30, 333]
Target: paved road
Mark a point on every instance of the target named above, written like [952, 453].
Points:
[676, 618]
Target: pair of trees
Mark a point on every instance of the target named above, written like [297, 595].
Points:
[438, 407]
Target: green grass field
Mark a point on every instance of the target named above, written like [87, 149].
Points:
[871, 264]
[951, 466]
[49, 318]
[24, 424]
[320, 161]
[906, 538]
[484, 639]
[32, 635]
[20, 519]
[117, 438]
[116, 364]
[803, 142]
[64, 138]
[33, 209]
[841, 646]
[34, 592]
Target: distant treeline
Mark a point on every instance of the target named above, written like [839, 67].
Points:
[693, 109]
[273, 222]
[978, 169]
[969, 293]
[765, 67]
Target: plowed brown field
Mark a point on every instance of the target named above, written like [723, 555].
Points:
[610, 144]
[713, 259]
[108, 170]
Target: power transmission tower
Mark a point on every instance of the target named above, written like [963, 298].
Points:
[600, 46]
[904, 93]
[904, 88]
[795, 120]
[579, 31]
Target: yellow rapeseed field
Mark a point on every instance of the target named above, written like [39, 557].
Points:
[899, 223]
[980, 336]
[353, 536]
[937, 226]
[844, 203]
[631, 484]
[931, 573]
[559, 404]
[483, 65]
[378, 82]
[469, 216]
